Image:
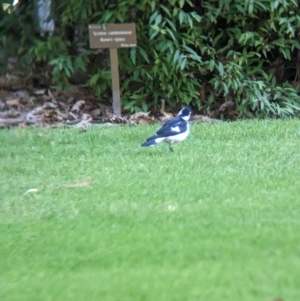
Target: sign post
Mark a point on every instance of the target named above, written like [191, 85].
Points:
[113, 36]
[114, 65]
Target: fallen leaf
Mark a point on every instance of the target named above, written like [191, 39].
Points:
[141, 118]
[39, 92]
[167, 116]
[49, 105]
[35, 116]
[96, 112]
[78, 106]
[13, 102]
[9, 114]
[78, 184]
[172, 208]
[53, 99]
[32, 190]
[11, 121]
[201, 118]
[228, 105]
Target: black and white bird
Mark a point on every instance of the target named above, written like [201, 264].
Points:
[173, 131]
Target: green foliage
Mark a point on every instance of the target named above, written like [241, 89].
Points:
[219, 50]
[16, 32]
[100, 81]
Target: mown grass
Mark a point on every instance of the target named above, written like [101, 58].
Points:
[218, 219]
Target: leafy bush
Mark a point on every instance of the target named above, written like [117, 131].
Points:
[203, 53]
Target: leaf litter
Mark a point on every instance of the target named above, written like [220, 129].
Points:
[75, 108]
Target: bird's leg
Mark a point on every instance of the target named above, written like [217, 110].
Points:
[170, 147]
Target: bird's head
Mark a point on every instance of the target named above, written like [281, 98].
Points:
[185, 113]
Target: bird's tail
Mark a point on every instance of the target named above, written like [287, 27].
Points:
[152, 141]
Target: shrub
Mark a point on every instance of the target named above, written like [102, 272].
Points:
[203, 53]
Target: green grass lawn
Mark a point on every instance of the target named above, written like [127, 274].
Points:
[218, 219]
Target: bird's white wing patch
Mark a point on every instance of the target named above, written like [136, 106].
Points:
[176, 129]
[158, 140]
